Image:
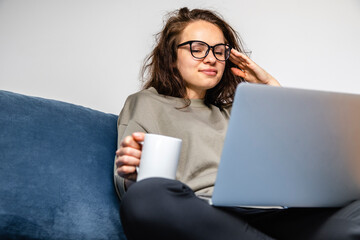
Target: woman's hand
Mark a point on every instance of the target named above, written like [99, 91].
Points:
[250, 71]
[128, 157]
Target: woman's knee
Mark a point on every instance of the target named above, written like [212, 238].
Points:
[146, 198]
[344, 224]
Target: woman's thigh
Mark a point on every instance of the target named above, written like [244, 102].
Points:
[308, 223]
[167, 209]
[159, 208]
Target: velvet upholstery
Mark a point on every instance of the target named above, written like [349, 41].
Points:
[56, 170]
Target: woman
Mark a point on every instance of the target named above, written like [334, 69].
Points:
[194, 71]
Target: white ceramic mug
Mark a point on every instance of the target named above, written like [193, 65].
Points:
[159, 157]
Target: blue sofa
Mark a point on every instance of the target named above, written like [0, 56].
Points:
[56, 170]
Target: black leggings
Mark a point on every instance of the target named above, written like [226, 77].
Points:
[158, 208]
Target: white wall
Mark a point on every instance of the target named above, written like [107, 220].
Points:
[89, 52]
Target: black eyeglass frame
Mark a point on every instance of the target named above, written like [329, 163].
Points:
[227, 53]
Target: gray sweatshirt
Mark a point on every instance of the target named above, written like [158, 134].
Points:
[201, 128]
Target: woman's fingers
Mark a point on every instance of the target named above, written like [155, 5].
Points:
[138, 136]
[238, 72]
[127, 161]
[129, 141]
[242, 62]
[126, 167]
[128, 156]
[249, 70]
[129, 151]
[127, 172]
[239, 58]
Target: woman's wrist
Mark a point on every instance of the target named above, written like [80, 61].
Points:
[273, 82]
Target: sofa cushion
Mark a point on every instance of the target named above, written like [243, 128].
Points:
[56, 170]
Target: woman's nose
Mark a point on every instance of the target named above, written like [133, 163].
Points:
[210, 58]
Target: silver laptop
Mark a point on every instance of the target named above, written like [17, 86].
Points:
[290, 147]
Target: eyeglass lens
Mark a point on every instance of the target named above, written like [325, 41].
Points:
[200, 50]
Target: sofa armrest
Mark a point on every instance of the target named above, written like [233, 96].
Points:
[56, 170]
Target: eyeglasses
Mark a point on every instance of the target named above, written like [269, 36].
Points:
[200, 50]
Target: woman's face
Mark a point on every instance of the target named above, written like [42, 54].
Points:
[200, 74]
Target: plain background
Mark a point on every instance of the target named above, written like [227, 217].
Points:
[89, 52]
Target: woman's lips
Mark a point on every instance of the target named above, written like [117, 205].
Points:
[209, 72]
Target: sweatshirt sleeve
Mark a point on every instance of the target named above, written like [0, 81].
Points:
[124, 131]
[126, 126]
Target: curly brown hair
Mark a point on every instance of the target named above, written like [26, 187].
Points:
[160, 65]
